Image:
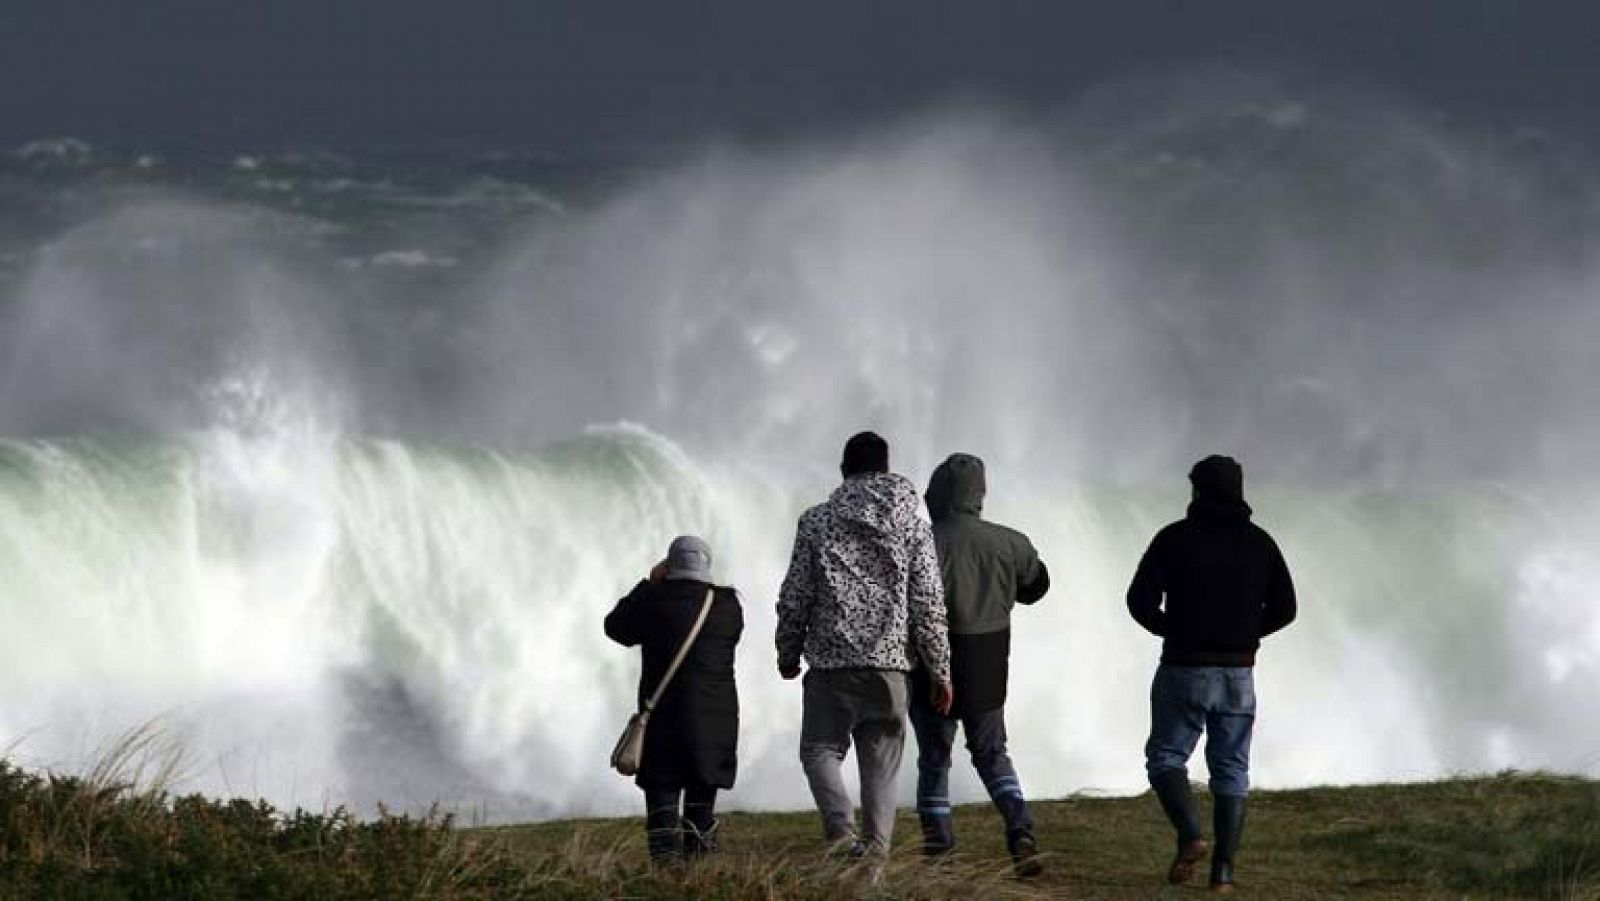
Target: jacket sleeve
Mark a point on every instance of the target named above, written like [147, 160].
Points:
[1033, 579]
[1147, 589]
[796, 598]
[1281, 607]
[625, 623]
[930, 627]
[738, 615]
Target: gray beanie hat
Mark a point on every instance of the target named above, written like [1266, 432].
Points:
[689, 557]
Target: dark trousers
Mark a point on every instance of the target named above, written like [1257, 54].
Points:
[986, 742]
[666, 809]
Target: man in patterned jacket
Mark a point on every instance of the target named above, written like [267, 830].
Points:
[862, 596]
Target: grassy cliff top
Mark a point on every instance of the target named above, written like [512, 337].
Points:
[1511, 835]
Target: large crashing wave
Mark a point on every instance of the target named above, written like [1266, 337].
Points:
[369, 622]
[1392, 325]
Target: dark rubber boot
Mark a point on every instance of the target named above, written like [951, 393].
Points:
[663, 844]
[699, 841]
[938, 834]
[1228, 820]
[1024, 854]
[663, 809]
[1172, 789]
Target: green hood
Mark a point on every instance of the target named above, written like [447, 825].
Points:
[957, 486]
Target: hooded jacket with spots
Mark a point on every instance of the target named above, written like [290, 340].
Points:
[863, 589]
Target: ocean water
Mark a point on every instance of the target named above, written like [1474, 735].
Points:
[330, 464]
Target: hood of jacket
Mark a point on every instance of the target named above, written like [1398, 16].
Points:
[957, 486]
[1218, 490]
[881, 502]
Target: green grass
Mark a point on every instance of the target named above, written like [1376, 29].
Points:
[116, 833]
[1511, 835]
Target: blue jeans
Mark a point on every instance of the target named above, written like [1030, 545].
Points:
[1217, 700]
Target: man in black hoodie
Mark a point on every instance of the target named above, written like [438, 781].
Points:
[986, 568]
[1225, 586]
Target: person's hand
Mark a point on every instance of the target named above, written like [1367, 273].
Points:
[943, 696]
[658, 572]
[789, 672]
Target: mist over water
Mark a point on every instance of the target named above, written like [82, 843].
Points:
[338, 467]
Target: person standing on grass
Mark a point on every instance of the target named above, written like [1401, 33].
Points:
[986, 569]
[691, 746]
[861, 602]
[1211, 585]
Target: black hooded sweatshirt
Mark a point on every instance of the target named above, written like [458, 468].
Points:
[1223, 578]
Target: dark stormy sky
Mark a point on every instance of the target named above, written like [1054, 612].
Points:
[558, 75]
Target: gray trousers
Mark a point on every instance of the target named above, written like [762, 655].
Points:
[868, 707]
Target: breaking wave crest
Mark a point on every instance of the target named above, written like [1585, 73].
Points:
[332, 621]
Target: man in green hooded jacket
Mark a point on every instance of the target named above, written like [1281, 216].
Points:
[987, 568]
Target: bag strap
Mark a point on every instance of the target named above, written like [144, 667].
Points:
[694, 632]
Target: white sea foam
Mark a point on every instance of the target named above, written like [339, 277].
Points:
[411, 259]
[325, 621]
[330, 615]
[66, 151]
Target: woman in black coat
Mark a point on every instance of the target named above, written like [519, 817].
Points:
[691, 744]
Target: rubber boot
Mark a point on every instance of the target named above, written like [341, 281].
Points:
[662, 841]
[1228, 821]
[1172, 789]
[699, 841]
[1024, 854]
[938, 834]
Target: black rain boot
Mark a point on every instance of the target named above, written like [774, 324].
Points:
[938, 834]
[1024, 853]
[698, 841]
[662, 841]
[661, 825]
[1228, 821]
[1172, 789]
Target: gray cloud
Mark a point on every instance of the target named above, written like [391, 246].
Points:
[565, 75]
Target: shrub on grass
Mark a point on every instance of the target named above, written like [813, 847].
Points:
[66, 837]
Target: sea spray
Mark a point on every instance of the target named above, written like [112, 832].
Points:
[347, 526]
[421, 623]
